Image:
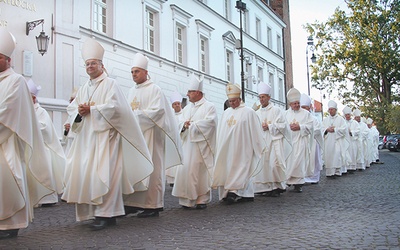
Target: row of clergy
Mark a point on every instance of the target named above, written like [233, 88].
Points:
[122, 146]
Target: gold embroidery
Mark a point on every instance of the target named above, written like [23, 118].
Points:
[135, 104]
[92, 103]
[231, 121]
[294, 122]
[266, 121]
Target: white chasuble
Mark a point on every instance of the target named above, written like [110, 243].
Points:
[158, 125]
[273, 172]
[302, 141]
[108, 155]
[193, 178]
[24, 178]
[240, 146]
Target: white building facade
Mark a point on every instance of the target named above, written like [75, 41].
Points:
[180, 37]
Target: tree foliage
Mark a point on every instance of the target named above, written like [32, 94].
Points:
[358, 56]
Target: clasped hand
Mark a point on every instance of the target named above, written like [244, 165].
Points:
[83, 109]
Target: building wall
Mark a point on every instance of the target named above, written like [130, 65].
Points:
[70, 23]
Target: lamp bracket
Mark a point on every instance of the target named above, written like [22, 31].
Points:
[31, 25]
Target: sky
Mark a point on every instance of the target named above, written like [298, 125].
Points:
[302, 12]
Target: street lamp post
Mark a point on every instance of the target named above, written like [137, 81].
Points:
[241, 7]
[320, 88]
[310, 45]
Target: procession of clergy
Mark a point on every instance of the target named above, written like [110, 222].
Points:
[122, 150]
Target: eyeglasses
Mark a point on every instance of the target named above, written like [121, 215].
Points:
[91, 64]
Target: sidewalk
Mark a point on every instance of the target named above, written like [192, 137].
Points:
[358, 211]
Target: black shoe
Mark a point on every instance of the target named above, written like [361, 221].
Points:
[275, 193]
[131, 210]
[48, 204]
[298, 188]
[201, 206]
[331, 177]
[314, 183]
[231, 198]
[148, 213]
[101, 223]
[245, 199]
[8, 234]
[267, 194]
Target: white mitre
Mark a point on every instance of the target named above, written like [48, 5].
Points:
[305, 100]
[140, 61]
[33, 88]
[357, 112]
[346, 110]
[264, 89]
[175, 97]
[196, 83]
[7, 44]
[293, 95]
[233, 90]
[332, 104]
[92, 49]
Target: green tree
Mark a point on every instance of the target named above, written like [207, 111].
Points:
[394, 119]
[358, 56]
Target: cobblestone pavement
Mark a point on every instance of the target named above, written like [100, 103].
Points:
[357, 211]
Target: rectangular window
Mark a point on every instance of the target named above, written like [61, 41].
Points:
[281, 90]
[271, 83]
[269, 37]
[279, 45]
[249, 78]
[258, 29]
[100, 16]
[245, 22]
[151, 29]
[203, 55]
[227, 9]
[180, 44]
[260, 75]
[229, 66]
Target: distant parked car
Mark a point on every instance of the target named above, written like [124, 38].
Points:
[380, 145]
[386, 138]
[392, 143]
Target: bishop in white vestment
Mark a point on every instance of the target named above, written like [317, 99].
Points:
[360, 165]
[271, 180]
[108, 140]
[301, 126]
[316, 162]
[353, 137]
[240, 146]
[54, 152]
[176, 101]
[158, 125]
[24, 178]
[198, 133]
[336, 145]
[374, 138]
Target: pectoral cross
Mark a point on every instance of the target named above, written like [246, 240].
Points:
[135, 104]
[295, 122]
[231, 121]
[90, 103]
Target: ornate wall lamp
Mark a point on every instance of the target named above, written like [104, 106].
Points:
[42, 40]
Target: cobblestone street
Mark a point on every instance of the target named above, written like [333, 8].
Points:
[356, 211]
